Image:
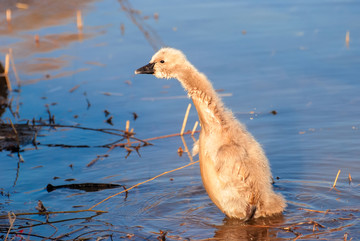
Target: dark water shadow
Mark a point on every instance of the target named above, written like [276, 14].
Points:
[3, 91]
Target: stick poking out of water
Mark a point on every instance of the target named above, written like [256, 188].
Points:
[194, 128]
[6, 71]
[127, 126]
[79, 22]
[8, 15]
[336, 179]
[185, 120]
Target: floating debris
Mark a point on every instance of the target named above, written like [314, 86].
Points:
[74, 88]
[122, 28]
[180, 151]
[40, 207]
[347, 38]
[156, 16]
[87, 101]
[37, 39]
[135, 116]
[350, 178]
[109, 120]
[99, 157]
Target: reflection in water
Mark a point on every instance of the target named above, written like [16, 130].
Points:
[3, 91]
[233, 229]
[307, 163]
[151, 36]
[46, 43]
[38, 15]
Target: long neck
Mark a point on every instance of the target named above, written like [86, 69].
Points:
[209, 106]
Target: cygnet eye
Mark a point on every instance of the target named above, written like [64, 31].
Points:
[162, 61]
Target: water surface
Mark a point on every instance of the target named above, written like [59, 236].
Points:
[290, 57]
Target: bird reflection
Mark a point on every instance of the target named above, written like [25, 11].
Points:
[258, 229]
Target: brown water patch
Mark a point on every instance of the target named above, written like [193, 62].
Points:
[40, 14]
[43, 64]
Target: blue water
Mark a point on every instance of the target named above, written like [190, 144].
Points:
[291, 57]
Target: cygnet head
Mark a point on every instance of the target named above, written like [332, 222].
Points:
[166, 63]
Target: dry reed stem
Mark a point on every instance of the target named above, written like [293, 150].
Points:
[8, 15]
[79, 22]
[149, 139]
[336, 179]
[12, 218]
[13, 67]
[185, 119]
[194, 128]
[6, 71]
[167, 136]
[140, 183]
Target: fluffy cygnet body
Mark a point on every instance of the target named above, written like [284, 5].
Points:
[234, 169]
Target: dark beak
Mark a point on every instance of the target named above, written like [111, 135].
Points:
[147, 69]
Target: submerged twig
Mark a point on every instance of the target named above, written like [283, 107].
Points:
[140, 183]
[67, 234]
[57, 212]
